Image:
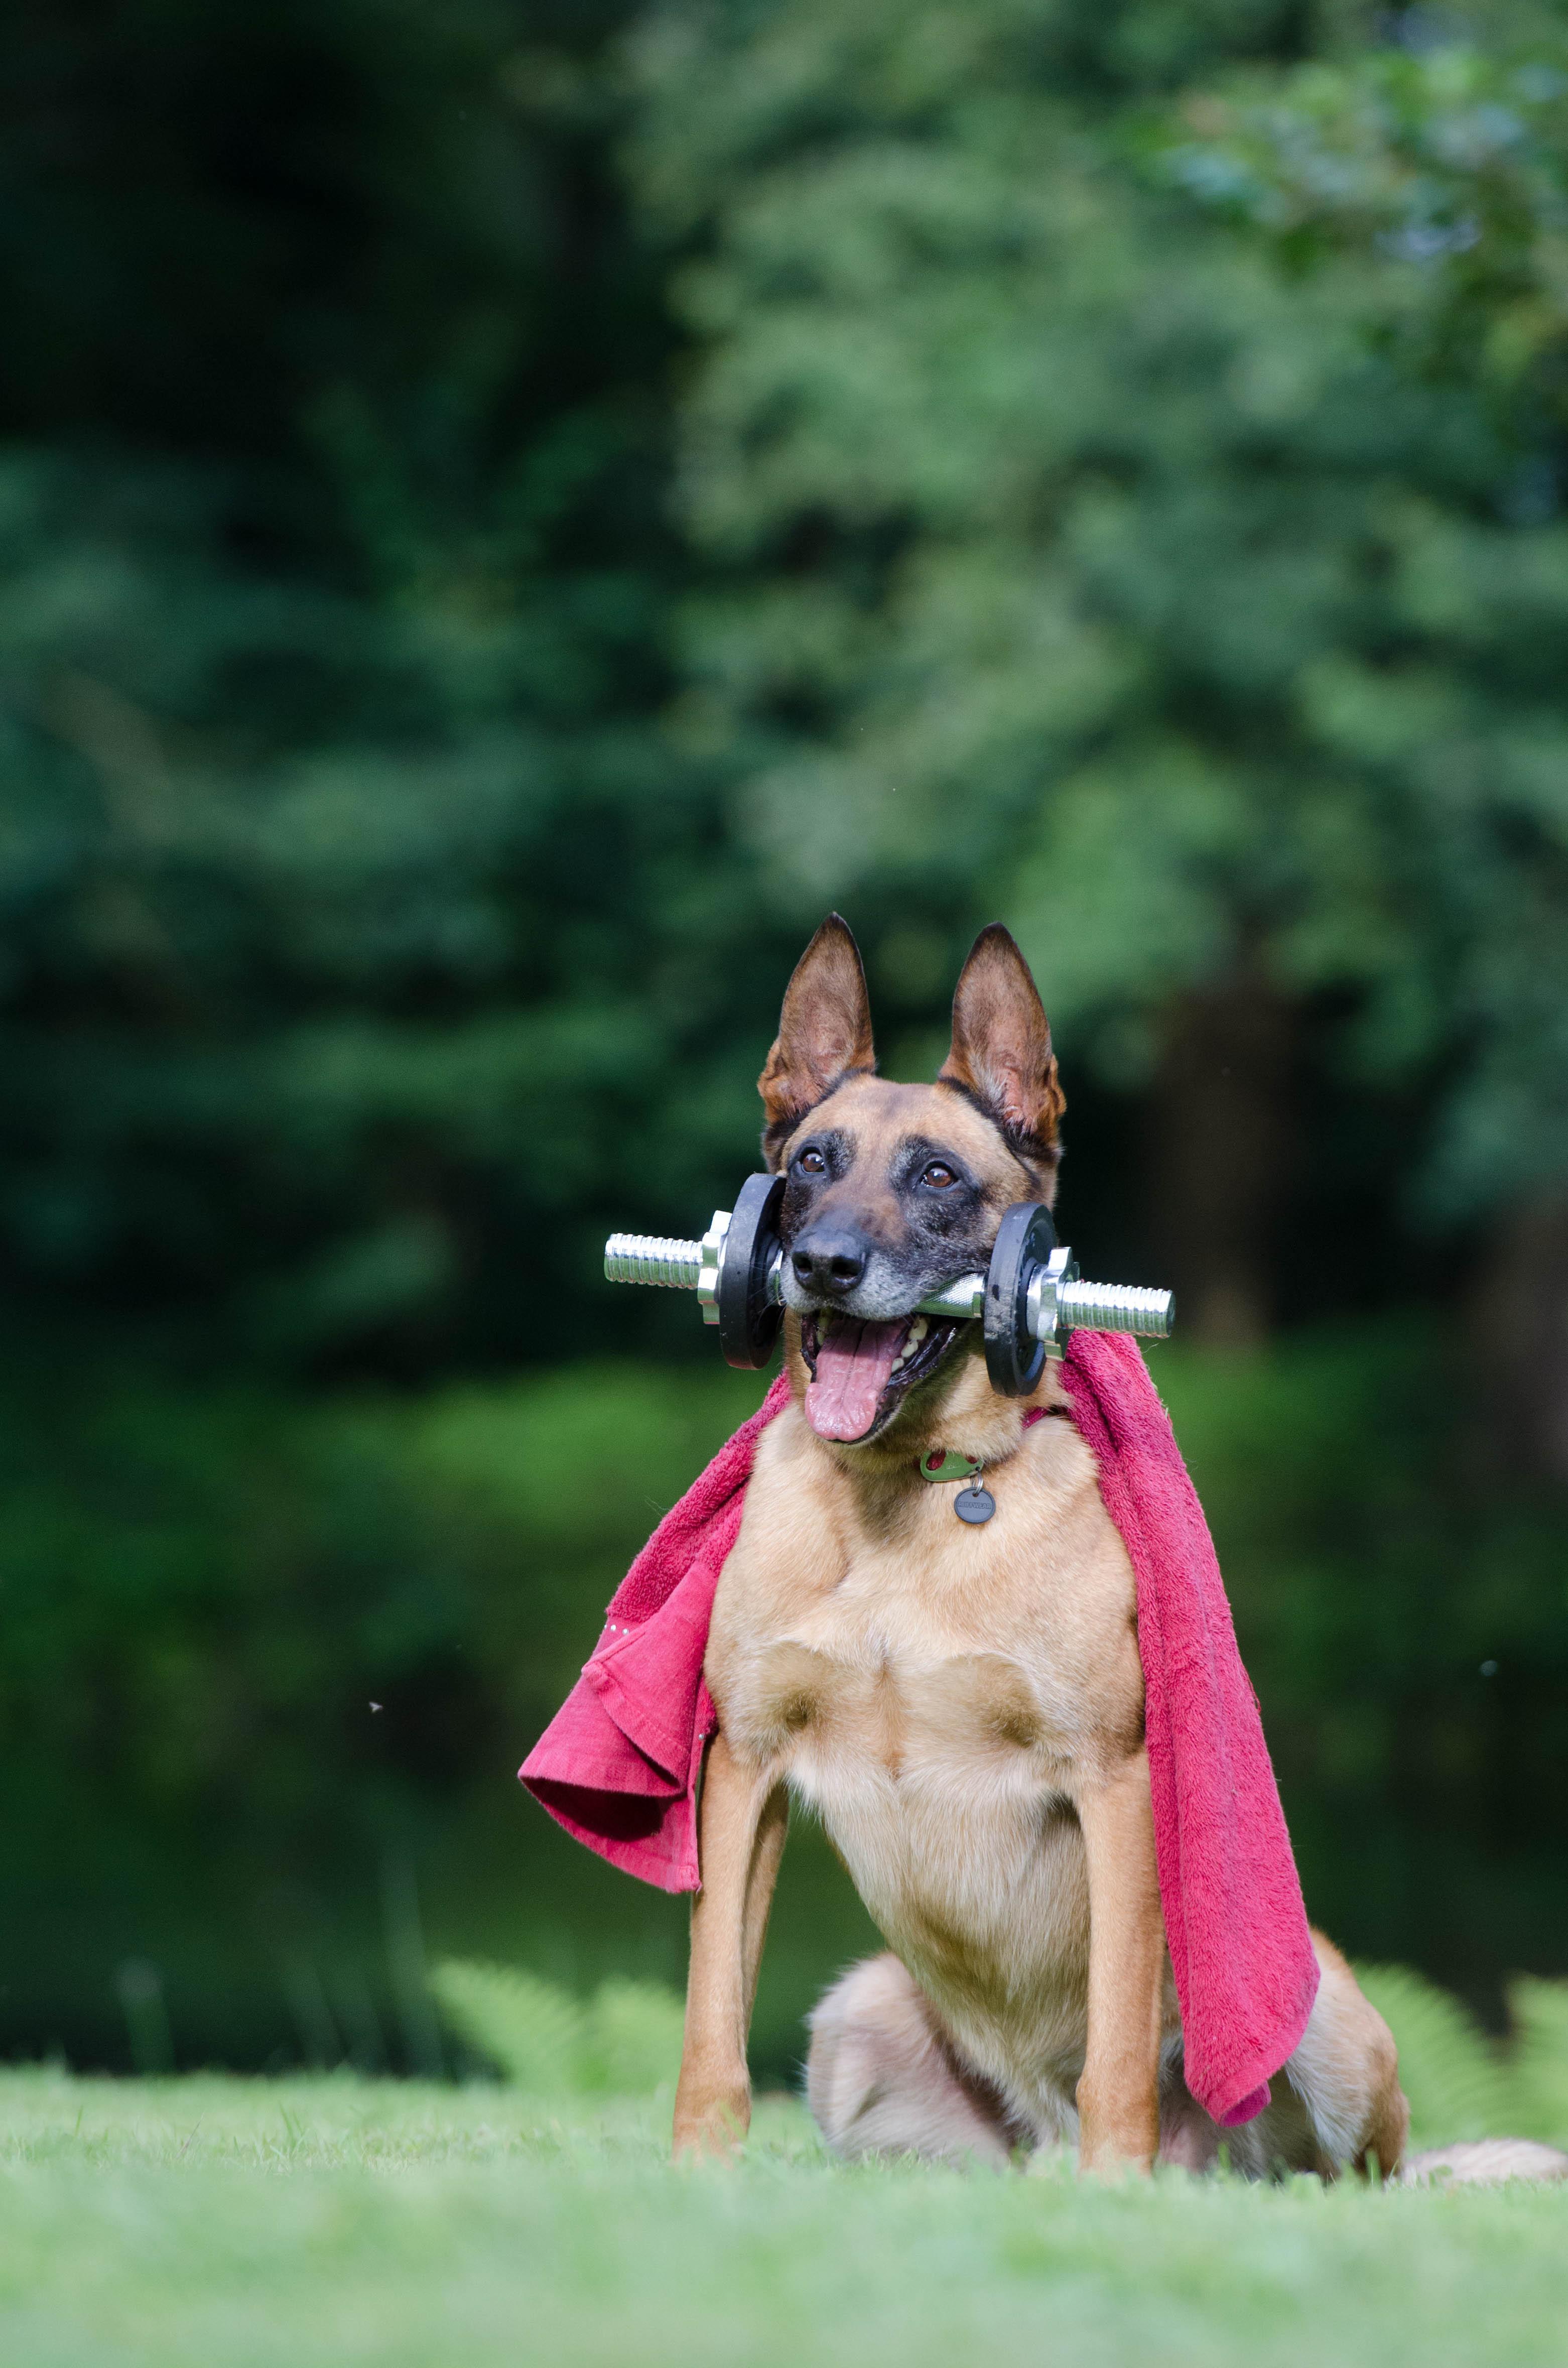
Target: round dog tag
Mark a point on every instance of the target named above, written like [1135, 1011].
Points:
[975, 1505]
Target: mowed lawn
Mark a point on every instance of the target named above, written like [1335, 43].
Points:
[334, 2219]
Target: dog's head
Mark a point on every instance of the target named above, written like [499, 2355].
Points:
[893, 1190]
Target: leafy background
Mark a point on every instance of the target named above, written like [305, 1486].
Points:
[507, 513]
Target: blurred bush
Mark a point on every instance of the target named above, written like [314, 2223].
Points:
[1170, 578]
[1405, 1615]
[623, 2041]
[363, 944]
[267, 1666]
[1462, 2083]
[468, 600]
[1452, 2074]
[1538, 2062]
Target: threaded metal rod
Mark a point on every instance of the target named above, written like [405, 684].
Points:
[1118, 1307]
[653, 1257]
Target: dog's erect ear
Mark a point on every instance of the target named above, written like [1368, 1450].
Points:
[1001, 1050]
[825, 1032]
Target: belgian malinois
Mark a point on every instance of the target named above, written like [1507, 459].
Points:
[962, 1706]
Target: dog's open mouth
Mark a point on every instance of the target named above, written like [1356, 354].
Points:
[861, 1372]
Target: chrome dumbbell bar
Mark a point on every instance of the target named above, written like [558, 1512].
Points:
[1093, 1306]
[1030, 1300]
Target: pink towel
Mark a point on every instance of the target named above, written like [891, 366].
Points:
[617, 1765]
[1245, 1970]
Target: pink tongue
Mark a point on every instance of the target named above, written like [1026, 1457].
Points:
[853, 1365]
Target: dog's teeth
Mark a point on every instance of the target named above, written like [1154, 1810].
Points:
[916, 1334]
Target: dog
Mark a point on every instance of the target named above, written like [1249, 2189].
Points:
[962, 1706]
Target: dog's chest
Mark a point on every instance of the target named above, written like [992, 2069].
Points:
[878, 1652]
[975, 1662]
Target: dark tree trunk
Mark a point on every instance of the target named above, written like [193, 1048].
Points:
[1520, 1329]
[1220, 1140]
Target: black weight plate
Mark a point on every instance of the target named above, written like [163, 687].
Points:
[1014, 1357]
[748, 1320]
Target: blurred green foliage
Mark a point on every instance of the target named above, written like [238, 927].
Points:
[1059, 532]
[364, 944]
[624, 2041]
[467, 603]
[271, 1667]
[506, 512]
[1462, 2084]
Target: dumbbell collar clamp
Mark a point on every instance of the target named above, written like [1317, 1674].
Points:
[712, 1249]
[1043, 1298]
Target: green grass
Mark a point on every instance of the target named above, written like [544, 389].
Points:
[334, 2219]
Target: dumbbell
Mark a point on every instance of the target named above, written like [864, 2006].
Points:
[1031, 1298]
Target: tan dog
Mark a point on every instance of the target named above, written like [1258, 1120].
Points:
[962, 1706]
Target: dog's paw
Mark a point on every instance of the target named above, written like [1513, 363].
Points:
[710, 2129]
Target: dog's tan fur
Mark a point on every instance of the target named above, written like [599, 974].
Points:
[963, 1708]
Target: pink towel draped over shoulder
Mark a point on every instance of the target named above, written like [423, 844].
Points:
[1245, 1970]
[619, 1764]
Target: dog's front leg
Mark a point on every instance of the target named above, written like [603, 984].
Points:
[741, 1836]
[1119, 2107]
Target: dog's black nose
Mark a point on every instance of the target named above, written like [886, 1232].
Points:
[829, 1262]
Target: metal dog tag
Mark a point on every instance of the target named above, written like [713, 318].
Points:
[975, 1505]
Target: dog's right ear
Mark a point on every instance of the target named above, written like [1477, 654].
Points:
[824, 1033]
[1001, 1053]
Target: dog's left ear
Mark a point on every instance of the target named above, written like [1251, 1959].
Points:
[1001, 1049]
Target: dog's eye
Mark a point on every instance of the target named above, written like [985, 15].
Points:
[939, 1175]
[812, 1163]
